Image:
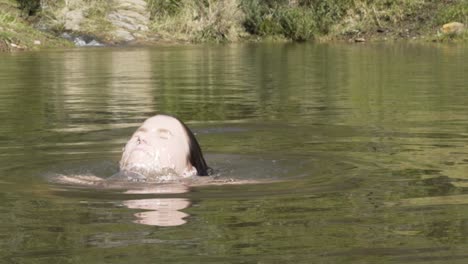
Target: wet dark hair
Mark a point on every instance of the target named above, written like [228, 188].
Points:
[195, 155]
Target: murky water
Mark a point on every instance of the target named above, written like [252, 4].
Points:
[361, 151]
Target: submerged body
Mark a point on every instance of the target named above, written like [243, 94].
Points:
[162, 148]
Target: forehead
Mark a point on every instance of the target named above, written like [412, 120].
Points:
[158, 122]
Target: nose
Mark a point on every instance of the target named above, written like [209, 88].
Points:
[140, 139]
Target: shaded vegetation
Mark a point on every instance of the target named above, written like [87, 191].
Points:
[457, 12]
[29, 7]
[299, 21]
[160, 8]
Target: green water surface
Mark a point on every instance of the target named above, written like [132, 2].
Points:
[361, 151]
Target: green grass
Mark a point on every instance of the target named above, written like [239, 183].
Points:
[7, 18]
[308, 19]
[196, 21]
[161, 8]
[15, 30]
[457, 12]
[298, 24]
[96, 21]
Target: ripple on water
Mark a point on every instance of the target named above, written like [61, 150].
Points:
[162, 203]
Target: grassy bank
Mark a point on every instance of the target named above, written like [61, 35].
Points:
[407, 19]
[303, 20]
[18, 33]
[237, 20]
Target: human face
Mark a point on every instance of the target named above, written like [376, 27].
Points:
[160, 144]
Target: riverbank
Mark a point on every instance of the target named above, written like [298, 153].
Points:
[32, 24]
[19, 33]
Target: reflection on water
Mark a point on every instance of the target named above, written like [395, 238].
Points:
[159, 189]
[435, 200]
[362, 150]
[163, 212]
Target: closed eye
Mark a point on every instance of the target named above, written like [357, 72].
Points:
[142, 129]
[164, 133]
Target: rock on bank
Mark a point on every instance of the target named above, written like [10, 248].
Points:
[113, 21]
